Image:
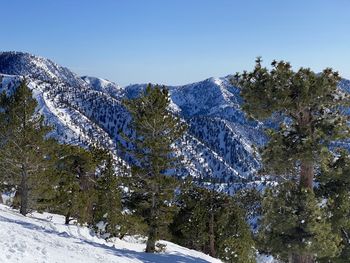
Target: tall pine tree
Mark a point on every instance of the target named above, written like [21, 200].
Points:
[157, 129]
[309, 105]
[24, 151]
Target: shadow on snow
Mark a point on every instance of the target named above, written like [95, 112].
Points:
[126, 253]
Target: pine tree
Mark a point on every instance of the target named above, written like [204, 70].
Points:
[249, 200]
[309, 105]
[70, 188]
[157, 129]
[235, 242]
[108, 209]
[24, 151]
[190, 226]
[334, 188]
[294, 224]
[213, 223]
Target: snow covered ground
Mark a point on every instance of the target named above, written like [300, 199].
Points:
[41, 238]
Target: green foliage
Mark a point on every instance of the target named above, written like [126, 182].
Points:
[249, 200]
[70, 187]
[335, 188]
[24, 151]
[207, 216]
[157, 129]
[152, 200]
[190, 226]
[294, 223]
[235, 242]
[309, 105]
[308, 108]
[108, 208]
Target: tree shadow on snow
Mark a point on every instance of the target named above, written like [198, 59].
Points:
[177, 257]
[149, 257]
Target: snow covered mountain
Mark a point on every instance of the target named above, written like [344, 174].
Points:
[104, 86]
[220, 145]
[18, 63]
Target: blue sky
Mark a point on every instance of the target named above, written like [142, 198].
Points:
[178, 41]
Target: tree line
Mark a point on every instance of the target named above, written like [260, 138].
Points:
[303, 216]
[88, 186]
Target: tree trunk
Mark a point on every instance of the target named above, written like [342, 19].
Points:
[67, 219]
[151, 241]
[306, 165]
[1, 201]
[152, 231]
[306, 174]
[212, 235]
[301, 259]
[24, 191]
[306, 181]
[16, 199]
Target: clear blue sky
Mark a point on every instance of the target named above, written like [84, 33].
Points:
[178, 41]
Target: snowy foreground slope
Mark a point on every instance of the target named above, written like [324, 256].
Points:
[45, 238]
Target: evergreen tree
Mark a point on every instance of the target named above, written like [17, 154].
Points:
[157, 129]
[24, 151]
[213, 223]
[249, 200]
[309, 105]
[334, 188]
[190, 227]
[235, 242]
[108, 209]
[294, 224]
[70, 188]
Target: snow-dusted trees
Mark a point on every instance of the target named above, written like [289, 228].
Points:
[24, 151]
[310, 106]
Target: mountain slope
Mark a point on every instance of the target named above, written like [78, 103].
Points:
[220, 145]
[19, 63]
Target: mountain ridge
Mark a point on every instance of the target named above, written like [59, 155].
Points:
[220, 145]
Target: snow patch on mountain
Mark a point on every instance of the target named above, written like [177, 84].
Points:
[104, 86]
[25, 64]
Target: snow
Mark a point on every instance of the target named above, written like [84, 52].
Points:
[219, 145]
[45, 238]
[104, 86]
[265, 259]
[86, 110]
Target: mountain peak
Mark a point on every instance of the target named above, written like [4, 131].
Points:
[104, 86]
[26, 64]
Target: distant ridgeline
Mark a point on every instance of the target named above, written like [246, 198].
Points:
[220, 146]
